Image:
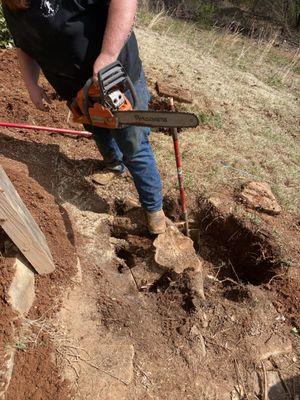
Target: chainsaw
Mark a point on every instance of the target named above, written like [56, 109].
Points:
[106, 104]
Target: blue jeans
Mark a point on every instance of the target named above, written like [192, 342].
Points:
[129, 147]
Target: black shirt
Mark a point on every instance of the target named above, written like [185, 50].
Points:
[65, 38]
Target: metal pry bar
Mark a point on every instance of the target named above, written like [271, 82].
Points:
[178, 158]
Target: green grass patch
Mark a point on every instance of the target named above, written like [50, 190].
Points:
[297, 69]
[212, 120]
[274, 81]
[278, 58]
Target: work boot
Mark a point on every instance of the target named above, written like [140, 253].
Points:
[106, 176]
[156, 222]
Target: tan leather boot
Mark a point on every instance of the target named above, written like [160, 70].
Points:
[156, 222]
[104, 177]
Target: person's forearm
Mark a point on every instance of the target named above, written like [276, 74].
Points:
[119, 25]
[29, 68]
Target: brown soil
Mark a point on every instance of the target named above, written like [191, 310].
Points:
[125, 297]
[35, 375]
[31, 169]
[251, 253]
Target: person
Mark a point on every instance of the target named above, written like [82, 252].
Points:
[72, 40]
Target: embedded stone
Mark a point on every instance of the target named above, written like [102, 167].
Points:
[259, 196]
[6, 370]
[276, 346]
[21, 292]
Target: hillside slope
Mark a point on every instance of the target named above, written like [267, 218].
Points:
[111, 323]
[247, 124]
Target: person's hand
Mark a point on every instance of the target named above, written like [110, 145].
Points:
[102, 61]
[39, 97]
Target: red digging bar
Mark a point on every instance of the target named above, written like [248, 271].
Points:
[47, 129]
[178, 159]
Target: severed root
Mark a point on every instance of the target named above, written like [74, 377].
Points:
[176, 253]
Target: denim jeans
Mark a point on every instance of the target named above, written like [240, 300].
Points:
[129, 147]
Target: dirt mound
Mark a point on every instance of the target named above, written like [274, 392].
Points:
[15, 103]
[35, 375]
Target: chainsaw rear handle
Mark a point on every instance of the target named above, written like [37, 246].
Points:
[110, 77]
[114, 75]
[85, 103]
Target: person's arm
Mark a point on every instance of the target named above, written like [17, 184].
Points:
[120, 21]
[31, 71]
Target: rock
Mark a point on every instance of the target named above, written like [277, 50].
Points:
[256, 379]
[6, 370]
[177, 93]
[259, 196]
[21, 292]
[274, 347]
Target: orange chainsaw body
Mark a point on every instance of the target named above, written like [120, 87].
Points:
[89, 110]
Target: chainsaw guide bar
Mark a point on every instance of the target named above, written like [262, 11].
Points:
[157, 119]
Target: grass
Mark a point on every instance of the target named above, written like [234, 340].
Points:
[210, 120]
[245, 95]
[20, 344]
[274, 81]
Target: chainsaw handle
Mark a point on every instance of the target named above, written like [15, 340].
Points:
[113, 75]
[108, 78]
[85, 104]
[136, 100]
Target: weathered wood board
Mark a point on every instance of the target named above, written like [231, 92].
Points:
[20, 226]
[177, 93]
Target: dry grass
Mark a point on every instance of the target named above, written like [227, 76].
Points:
[246, 97]
[264, 59]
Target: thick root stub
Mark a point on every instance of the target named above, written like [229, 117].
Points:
[176, 253]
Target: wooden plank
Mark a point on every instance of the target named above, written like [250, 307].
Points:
[20, 226]
[177, 93]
